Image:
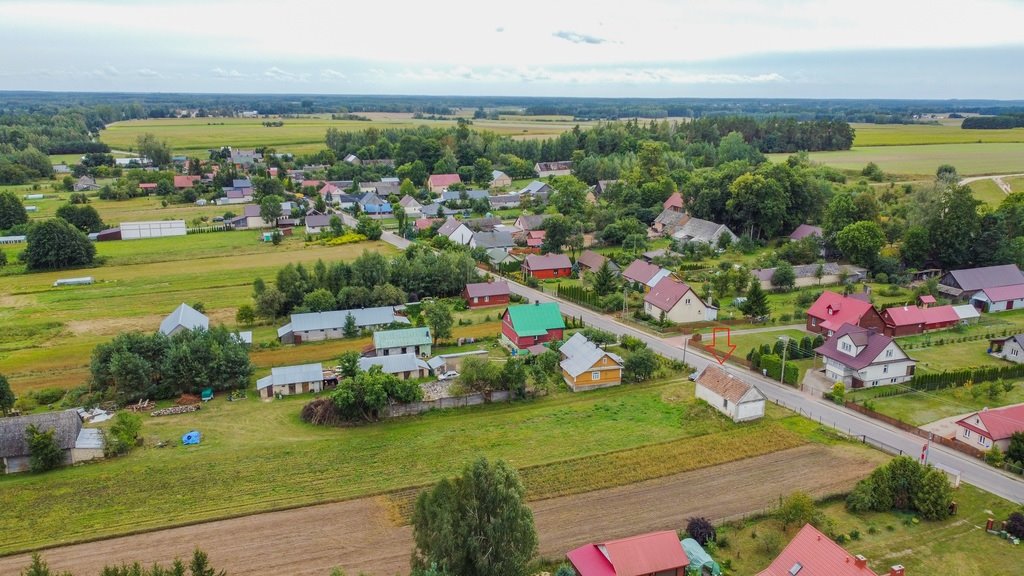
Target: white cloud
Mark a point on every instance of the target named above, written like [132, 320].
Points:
[328, 74]
[222, 73]
[639, 75]
[276, 73]
[577, 38]
[148, 73]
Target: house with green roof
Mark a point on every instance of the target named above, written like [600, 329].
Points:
[531, 324]
[405, 341]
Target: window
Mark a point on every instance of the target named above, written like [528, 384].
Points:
[475, 300]
[687, 301]
[595, 375]
[487, 298]
[892, 381]
[967, 433]
[981, 440]
[847, 347]
[888, 353]
[1013, 351]
[725, 402]
[885, 369]
[814, 321]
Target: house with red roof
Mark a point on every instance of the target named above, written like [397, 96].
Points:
[999, 298]
[547, 266]
[677, 302]
[832, 310]
[185, 182]
[149, 187]
[811, 553]
[438, 183]
[804, 230]
[907, 320]
[482, 294]
[654, 554]
[991, 427]
[674, 202]
[535, 238]
[863, 357]
[644, 274]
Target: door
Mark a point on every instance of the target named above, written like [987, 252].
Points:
[1009, 305]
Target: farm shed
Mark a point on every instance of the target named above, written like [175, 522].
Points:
[408, 340]
[74, 281]
[1000, 298]
[289, 380]
[967, 282]
[316, 326]
[729, 395]
[14, 451]
[184, 317]
[403, 366]
[155, 229]
[88, 445]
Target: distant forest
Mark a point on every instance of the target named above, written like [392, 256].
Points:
[993, 122]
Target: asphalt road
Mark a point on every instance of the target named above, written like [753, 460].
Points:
[971, 470]
[827, 413]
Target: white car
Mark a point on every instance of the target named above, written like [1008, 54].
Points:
[451, 374]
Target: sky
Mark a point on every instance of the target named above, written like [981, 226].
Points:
[637, 48]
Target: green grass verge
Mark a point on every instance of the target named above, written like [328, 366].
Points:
[920, 408]
[988, 192]
[257, 456]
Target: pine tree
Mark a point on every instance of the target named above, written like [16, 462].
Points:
[604, 280]
[756, 305]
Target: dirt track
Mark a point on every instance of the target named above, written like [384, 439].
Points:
[358, 537]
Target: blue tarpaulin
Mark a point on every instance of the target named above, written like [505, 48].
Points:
[192, 437]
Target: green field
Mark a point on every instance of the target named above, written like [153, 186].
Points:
[257, 456]
[298, 135]
[958, 545]
[55, 329]
[909, 134]
[988, 192]
[920, 408]
[969, 159]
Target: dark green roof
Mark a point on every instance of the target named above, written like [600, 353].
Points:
[535, 319]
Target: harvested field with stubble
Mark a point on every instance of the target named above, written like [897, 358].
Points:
[360, 537]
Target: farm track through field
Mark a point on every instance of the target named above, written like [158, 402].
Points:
[359, 535]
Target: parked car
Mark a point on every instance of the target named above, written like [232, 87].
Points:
[449, 375]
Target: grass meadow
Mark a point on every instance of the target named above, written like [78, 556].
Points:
[923, 160]
[298, 135]
[54, 329]
[988, 192]
[957, 545]
[920, 407]
[910, 134]
[257, 456]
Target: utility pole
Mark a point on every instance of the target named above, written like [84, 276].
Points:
[782, 373]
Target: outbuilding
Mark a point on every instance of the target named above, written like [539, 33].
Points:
[483, 294]
[415, 341]
[729, 395]
[290, 380]
[67, 426]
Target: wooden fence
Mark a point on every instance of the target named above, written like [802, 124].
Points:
[414, 408]
[948, 442]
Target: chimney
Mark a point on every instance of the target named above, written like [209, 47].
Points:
[897, 570]
[536, 302]
[860, 561]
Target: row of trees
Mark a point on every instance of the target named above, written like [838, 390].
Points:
[372, 279]
[135, 365]
[198, 566]
[903, 484]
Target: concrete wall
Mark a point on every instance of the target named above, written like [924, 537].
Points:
[443, 403]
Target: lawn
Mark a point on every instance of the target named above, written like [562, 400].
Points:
[1016, 183]
[954, 356]
[195, 136]
[969, 159]
[257, 456]
[988, 192]
[956, 546]
[139, 283]
[920, 408]
[910, 134]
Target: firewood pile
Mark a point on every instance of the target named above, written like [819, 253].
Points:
[176, 410]
[187, 400]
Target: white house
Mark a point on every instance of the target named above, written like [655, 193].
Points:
[862, 357]
[411, 207]
[456, 231]
[316, 326]
[991, 427]
[288, 380]
[999, 298]
[729, 395]
[678, 302]
[1010, 349]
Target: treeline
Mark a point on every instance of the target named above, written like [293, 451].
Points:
[136, 366]
[370, 280]
[993, 122]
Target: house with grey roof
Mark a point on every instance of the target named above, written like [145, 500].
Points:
[411, 206]
[456, 231]
[403, 366]
[291, 380]
[499, 179]
[381, 188]
[536, 189]
[464, 195]
[528, 222]
[315, 223]
[404, 341]
[184, 317]
[669, 222]
[807, 274]
[85, 183]
[703, 231]
[495, 239]
[968, 282]
[585, 366]
[373, 205]
[67, 427]
[505, 201]
[317, 326]
[245, 158]
[559, 168]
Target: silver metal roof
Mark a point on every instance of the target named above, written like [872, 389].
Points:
[284, 375]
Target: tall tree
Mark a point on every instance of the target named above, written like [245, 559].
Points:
[439, 318]
[954, 231]
[81, 216]
[55, 244]
[757, 204]
[784, 277]
[861, 242]
[270, 208]
[6, 396]
[915, 247]
[44, 452]
[12, 212]
[157, 151]
[604, 279]
[756, 305]
[557, 230]
[477, 524]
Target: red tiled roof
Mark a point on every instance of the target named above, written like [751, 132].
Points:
[1004, 293]
[481, 289]
[1001, 423]
[927, 299]
[674, 201]
[424, 223]
[817, 555]
[940, 315]
[666, 294]
[646, 554]
[185, 181]
[838, 309]
[313, 183]
[904, 315]
[147, 185]
[443, 179]
[547, 262]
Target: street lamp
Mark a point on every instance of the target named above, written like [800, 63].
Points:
[782, 373]
[686, 343]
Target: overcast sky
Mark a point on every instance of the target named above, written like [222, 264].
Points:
[656, 48]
